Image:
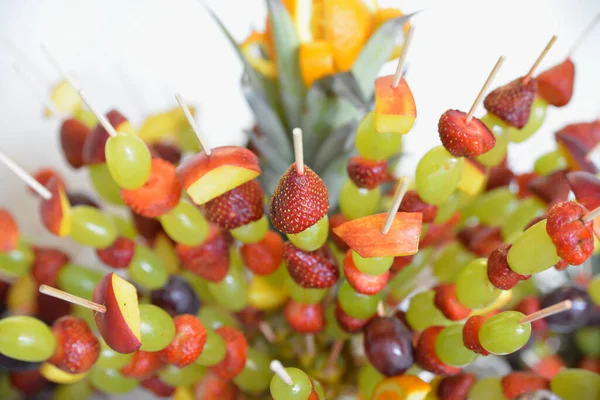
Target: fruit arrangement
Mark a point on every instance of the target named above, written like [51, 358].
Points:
[224, 285]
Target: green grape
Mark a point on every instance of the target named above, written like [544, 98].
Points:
[299, 390]
[92, 228]
[302, 295]
[332, 328]
[232, 292]
[503, 333]
[26, 338]
[214, 349]
[199, 285]
[185, 224]
[156, 326]
[438, 174]
[256, 375]
[526, 210]
[146, 269]
[214, 317]
[533, 251]
[356, 202]
[87, 315]
[594, 290]
[187, 140]
[171, 375]
[85, 116]
[574, 383]
[372, 265]
[447, 209]
[80, 390]
[588, 340]
[373, 145]
[422, 312]
[252, 232]
[450, 348]
[549, 162]
[128, 160]
[488, 389]
[104, 184]
[111, 381]
[319, 390]
[278, 277]
[17, 262]
[329, 375]
[79, 281]
[109, 358]
[357, 305]
[536, 119]
[501, 132]
[7, 391]
[493, 206]
[451, 259]
[313, 237]
[368, 378]
[473, 287]
[124, 226]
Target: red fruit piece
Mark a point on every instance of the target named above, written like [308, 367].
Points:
[552, 188]
[28, 382]
[367, 174]
[211, 387]
[575, 142]
[561, 265]
[412, 202]
[166, 151]
[95, 143]
[52, 211]
[481, 240]
[498, 176]
[571, 236]
[148, 228]
[73, 135]
[512, 102]
[210, 260]
[264, 257]
[518, 383]
[49, 309]
[425, 353]
[523, 181]
[235, 357]
[549, 366]
[47, 264]
[361, 282]
[157, 387]
[9, 232]
[250, 317]
[77, 349]
[590, 364]
[349, 324]
[142, 365]
[334, 221]
[438, 234]
[471, 334]
[455, 387]
[43, 176]
[529, 305]
[304, 318]
[119, 254]
[499, 272]
[555, 85]
[82, 199]
[586, 187]
[299, 201]
[160, 193]
[189, 340]
[400, 262]
[462, 139]
[311, 270]
[238, 207]
[446, 301]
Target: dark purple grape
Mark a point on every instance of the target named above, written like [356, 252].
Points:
[82, 199]
[388, 346]
[11, 364]
[576, 317]
[176, 297]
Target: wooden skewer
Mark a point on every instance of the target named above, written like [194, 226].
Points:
[193, 124]
[402, 59]
[380, 309]
[398, 196]
[267, 331]
[42, 97]
[298, 150]
[334, 354]
[25, 177]
[311, 348]
[280, 371]
[59, 294]
[539, 60]
[591, 215]
[484, 89]
[584, 35]
[548, 311]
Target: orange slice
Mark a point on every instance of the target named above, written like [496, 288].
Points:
[403, 387]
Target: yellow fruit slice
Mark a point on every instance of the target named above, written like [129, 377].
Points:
[22, 296]
[250, 49]
[263, 296]
[57, 375]
[65, 98]
[403, 387]
[502, 300]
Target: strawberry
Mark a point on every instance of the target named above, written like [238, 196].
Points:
[264, 257]
[512, 102]
[367, 174]
[49, 309]
[81, 199]
[73, 135]
[311, 270]
[334, 221]
[361, 282]
[572, 237]
[523, 181]
[77, 349]
[29, 383]
[587, 134]
[350, 324]
[166, 151]
[9, 232]
[462, 139]
[299, 201]
[211, 387]
[549, 366]
[446, 301]
[47, 264]
[498, 176]
[95, 142]
[43, 176]
[250, 317]
[518, 383]
[238, 207]
[148, 228]
[157, 387]
[481, 240]
[590, 364]
[425, 353]
[160, 193]
[412, 202]
[235, 356]
[529, 305]
[499, 272]
[142, 365]
[456, 387]
[555, 85]
[188, 343]
[210, 260]
[119, 254]
[304, 318]
[471, 334]
[552, 188]
[438, 234]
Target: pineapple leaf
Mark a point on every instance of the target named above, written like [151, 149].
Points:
[265, 147]
[344, 85]
[269, 178]
[334, 176]
[339, 141]
[291, 85]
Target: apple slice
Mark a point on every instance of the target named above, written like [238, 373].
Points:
[205, 177]
[586, 187]
[9, 232]
[575, 141]
[65, 98]
[395, 108]
[56, 211]
[120, 324]
[57, 375]
[473, 178]
[364, 236]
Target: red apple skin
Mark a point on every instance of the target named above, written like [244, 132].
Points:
[73, 135]
[586, 188]
[93, 148]
[112, 324]
[51, 211]
[576, 140]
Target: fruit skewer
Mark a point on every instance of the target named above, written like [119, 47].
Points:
[293, 380]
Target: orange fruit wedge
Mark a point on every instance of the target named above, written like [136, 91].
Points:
[250, 50]
[402, 387]
[383, 15]
[316, 61]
